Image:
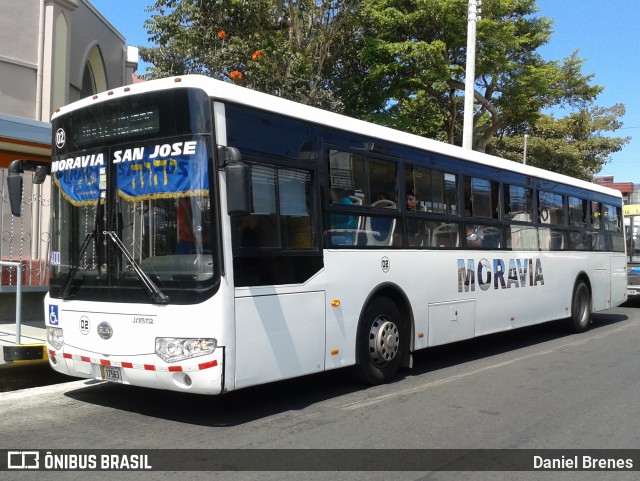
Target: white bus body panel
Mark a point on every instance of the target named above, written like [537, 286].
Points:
[442, 311]
[601, 297]
[451, 321]
[278, 336]
[618, 280]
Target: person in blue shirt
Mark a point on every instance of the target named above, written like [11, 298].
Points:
[342, 222]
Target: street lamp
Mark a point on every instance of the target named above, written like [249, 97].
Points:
[470, 73]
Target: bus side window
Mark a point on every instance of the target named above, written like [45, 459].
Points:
[596, 217]
[481, 198]
[295, 201]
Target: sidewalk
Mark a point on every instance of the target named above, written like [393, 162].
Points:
[25, 365]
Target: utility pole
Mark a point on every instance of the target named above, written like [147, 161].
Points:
[470, 73]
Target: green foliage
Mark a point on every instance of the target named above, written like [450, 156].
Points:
[574, 145]
[279, 47]
[415, 52]
[399, 63]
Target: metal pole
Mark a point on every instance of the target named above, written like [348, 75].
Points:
[524, 157]
[19, 305]
[470, 75]
[18, 266]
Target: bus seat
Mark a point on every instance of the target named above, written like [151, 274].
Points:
[379, 231]
[446, 235]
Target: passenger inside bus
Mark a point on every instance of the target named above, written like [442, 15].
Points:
[412, 202]
[344, 226]
[474, 236]
[418, 234]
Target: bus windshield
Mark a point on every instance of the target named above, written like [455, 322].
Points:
[131, 222]
[114, 222]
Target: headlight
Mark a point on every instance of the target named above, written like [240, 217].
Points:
[55, 337]
[172, 349]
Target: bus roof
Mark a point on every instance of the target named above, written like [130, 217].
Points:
[225, 91]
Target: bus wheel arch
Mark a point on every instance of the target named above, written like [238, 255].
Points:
[383, 337]
[581, 304]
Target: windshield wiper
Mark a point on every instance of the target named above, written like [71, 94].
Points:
[66, 287]
[154, 292]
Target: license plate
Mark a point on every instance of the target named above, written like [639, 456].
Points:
[632, 292]
[111, 373]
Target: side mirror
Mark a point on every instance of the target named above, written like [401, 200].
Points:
[238, 177]
[41, 174]
[238, 188]
[14, 180]
[227, 155]
[14, 183]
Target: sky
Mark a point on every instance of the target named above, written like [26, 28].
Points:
[605, 32]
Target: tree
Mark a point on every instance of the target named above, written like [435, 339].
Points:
[275, 46]
[414, 51]
[399, 63]
[574, 145]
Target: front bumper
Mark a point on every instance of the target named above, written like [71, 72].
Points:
[200, 375]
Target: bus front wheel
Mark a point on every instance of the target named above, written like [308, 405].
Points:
[380, 342]
[580, 308]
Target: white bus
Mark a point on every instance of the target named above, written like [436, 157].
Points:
[206, 238]
[632, 228]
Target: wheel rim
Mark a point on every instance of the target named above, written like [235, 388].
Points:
[384, 340]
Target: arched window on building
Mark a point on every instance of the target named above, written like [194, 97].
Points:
[88, 82]
[94, 77]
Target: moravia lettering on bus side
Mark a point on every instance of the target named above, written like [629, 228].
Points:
[519, 273]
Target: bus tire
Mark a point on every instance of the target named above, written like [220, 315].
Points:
[580, 308]
[380, 342]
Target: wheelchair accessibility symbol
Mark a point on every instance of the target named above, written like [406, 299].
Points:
[53, 315]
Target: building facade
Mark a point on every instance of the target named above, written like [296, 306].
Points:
[52, 52]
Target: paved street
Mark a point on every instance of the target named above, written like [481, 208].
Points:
[534, 388]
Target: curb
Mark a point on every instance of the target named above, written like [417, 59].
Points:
[23, 354]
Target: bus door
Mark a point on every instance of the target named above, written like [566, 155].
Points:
[279, 313]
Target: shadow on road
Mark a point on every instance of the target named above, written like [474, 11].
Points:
[632, 302]
[249, 404]
[23, 377]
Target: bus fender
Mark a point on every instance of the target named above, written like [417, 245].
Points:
[398, 296]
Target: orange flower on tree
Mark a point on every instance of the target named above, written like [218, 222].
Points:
[235, 75]
[256, 55]
[222, 34]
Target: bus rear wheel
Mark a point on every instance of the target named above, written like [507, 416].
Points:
[380, 342]
[580, 308]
